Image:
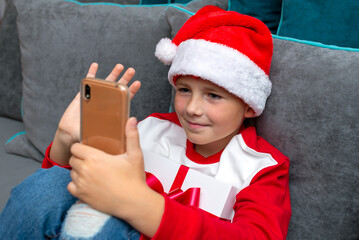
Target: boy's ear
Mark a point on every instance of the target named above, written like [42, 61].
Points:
[249, 113]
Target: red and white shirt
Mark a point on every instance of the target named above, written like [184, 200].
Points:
[260, 172]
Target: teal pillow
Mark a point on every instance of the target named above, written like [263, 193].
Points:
[328, 22]
[122, 2]
[149, 2]
[180, 1]
[266, 10]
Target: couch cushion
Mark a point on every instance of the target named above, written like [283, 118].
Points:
[312, 117]
[148, 2]
[13, 169]
[328, 22]
[125, 2]
[10, 65]
[60, 39]
[2, 9]
[269, 11]
[145, 2]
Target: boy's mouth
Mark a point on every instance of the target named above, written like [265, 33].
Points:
[195, 125]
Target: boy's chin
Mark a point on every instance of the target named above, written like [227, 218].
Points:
[198, 141]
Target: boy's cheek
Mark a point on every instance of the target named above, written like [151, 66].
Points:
[179, 105]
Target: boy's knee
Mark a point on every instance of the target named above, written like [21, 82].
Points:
[45, 186]
[43, 181]
[83, 222]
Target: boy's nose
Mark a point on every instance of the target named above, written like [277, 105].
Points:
[194, 106]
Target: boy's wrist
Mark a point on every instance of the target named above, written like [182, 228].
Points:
[146, 211]
[60, 150]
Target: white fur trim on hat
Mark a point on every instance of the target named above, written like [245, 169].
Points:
[166, 51]
[224, 66]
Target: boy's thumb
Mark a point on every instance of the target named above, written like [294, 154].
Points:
[132, 136]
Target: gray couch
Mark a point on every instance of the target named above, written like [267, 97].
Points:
[46, 47]
[13, 168]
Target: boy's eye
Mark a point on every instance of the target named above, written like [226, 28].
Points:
[214, 96]
[183, 90]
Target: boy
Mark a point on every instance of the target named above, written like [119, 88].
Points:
[220, 66]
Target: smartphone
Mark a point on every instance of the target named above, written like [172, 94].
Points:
[104, 112]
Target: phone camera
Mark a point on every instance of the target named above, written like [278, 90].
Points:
[87, 91]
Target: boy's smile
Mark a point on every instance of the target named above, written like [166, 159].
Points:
[194, 126]
[210, 115]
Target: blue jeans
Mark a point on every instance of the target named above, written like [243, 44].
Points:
[37, 209]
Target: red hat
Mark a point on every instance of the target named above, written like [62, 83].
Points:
[227, 48]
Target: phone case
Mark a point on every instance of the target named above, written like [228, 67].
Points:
[104, 113]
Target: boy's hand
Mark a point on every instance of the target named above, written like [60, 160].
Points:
[116, 184]
[68, 131]
[99, 178]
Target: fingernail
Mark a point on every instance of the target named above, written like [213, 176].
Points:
[133, 122]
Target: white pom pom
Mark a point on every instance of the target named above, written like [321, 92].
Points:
[166, 51]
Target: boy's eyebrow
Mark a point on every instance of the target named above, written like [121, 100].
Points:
[181, 84]
[212, 89]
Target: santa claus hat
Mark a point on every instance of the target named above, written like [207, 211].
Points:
[227, 48]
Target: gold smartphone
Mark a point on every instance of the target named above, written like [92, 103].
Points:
[104, 112]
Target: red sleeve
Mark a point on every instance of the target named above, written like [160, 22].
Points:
[48, 163]
[172, 117]
[262, 211]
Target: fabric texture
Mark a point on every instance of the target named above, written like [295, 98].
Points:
[10, 65]
[2, 9]
[49, 32]
[124, 2]
[328, 22]
[229, 49]
[13, 169]
[144, 2]
[149, 2]
[311, 116]
[268, 11]
[83, 222]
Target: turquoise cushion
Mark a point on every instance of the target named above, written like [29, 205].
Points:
[149, 2]
[266, 10]
[328, 22]
[180, 1]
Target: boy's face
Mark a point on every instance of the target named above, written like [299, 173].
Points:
[210, 115]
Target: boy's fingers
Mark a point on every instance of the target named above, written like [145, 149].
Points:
[132, 137]
[135, 86]
[127, 76]
[74, 175]
[81, 151]
[73, 162]
[76, 150]
[71, 187]
[92, 70]
[116, 71]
